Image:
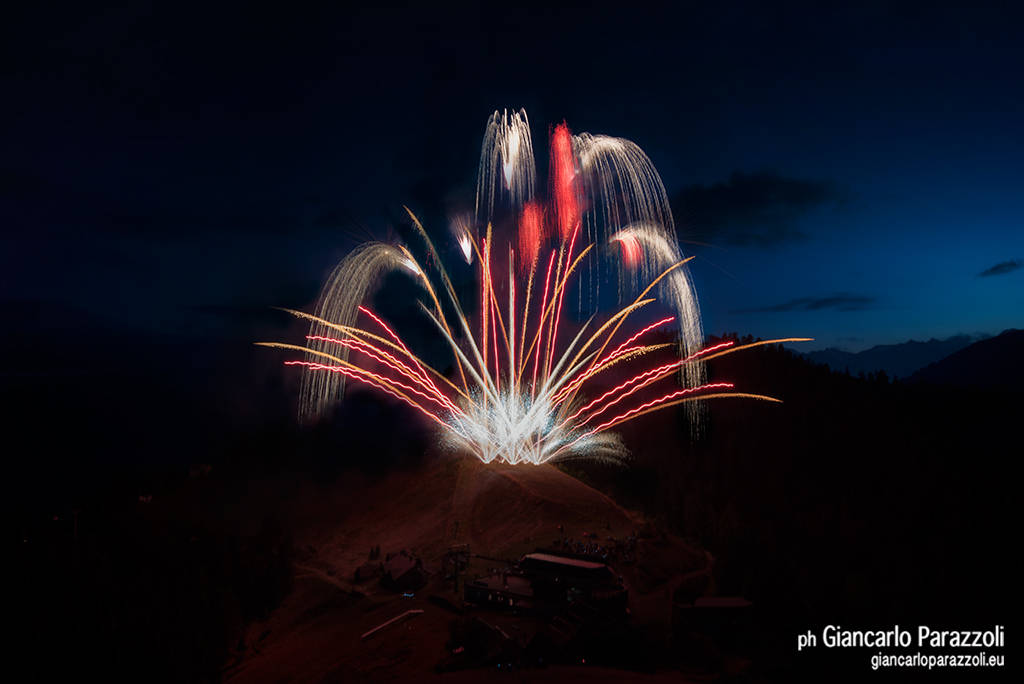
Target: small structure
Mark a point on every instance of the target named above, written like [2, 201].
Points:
[564, 579]
[504, 590]
[558, 564]
[403, 572]
[552, 584]
[368, 570]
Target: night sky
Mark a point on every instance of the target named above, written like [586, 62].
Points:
[852, 175]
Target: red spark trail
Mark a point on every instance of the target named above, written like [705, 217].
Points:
[400, 343]
[531, 233]
[632, 339]
[596, 366]
[631, 249]
[379, 384]
[387, 359]
[376, 376]
[655, 402]
[708, 350]
[561, 295]
[645, 383]
[658, 373]
[563, 175]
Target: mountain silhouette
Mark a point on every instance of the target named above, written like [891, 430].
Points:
[897, 360]
[995, 363]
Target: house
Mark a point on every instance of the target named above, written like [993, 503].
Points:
[403, 572]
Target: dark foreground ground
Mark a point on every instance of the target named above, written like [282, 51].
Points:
[501, 513]
[858, 502]
[194, 580]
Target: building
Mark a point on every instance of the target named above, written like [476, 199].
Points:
[501, 591]
[403, 572]
[552, 583]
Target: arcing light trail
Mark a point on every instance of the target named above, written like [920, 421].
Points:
[516, 391]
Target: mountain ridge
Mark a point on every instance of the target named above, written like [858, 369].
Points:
[993, 363]
[899, 360]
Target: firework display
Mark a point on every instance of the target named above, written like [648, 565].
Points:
[523, 378]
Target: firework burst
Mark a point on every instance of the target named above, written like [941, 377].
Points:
[522, 378]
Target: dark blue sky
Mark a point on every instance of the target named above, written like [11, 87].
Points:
[855, 173]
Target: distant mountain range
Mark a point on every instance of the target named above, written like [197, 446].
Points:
[897, 360]
[994, 363]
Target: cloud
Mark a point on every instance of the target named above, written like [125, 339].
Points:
[750, 209]
[1002, 268]
[837, 302]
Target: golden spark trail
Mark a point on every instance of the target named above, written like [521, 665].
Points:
[605, 362]
[355, 332]
[437, 304]
[383, 357]
[540, 325]
[652, 406]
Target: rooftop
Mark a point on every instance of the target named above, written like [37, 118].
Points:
[562, 560]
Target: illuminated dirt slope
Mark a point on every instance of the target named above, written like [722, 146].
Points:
[500, 511]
